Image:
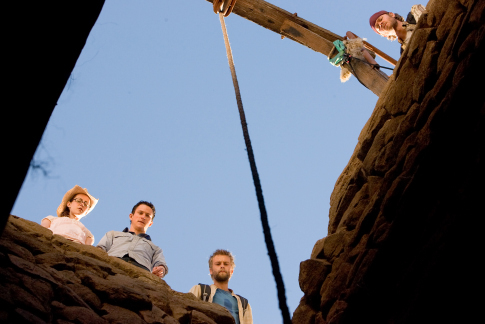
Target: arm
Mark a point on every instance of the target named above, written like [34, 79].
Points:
[368, 57]
[46, 223]
[248, 316]
[89, 236]
[89, 240]
[106, 241]
[159, 260]
[159, 271]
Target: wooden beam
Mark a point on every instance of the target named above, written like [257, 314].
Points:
[306, 37]
[272, 17]
[306, 33]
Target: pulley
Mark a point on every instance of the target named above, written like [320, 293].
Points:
[223, 6]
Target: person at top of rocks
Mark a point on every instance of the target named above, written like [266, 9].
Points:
[133, 245]
[392, 26]
[221, 268]
[387, 24]
[75, 204]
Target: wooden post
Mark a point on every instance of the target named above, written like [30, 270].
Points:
[306, 33]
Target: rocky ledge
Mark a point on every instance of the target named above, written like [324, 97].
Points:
[45, 278]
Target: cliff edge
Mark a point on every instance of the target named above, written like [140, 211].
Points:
[45, 278]
[404, 213]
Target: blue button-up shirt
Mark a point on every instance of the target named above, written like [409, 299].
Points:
[139, 247]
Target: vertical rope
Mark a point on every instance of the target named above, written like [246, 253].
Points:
[257, 184]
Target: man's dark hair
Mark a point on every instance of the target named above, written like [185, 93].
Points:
[142, 202]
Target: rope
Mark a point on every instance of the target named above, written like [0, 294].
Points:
[223, 6]
[376, 66]
[257, 184]
[348, 60]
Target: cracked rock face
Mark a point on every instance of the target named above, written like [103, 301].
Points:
[404, 212]
[45, 278]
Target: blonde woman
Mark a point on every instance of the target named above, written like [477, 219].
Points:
[75, 204]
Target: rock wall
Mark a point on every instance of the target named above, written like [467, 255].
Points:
[403, 230]
[404, 235]
[44, 43]
[45, 278]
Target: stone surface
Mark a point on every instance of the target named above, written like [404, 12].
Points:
[45, 278]
[408, 202]
[312, 275]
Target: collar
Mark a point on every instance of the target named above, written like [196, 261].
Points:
[145, 236]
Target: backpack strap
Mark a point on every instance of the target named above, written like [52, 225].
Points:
[244, 303]
[205, 292]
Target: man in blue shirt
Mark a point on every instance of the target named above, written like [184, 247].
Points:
[221, 268]
[133, 245]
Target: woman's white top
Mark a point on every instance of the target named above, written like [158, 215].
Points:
[70, 228]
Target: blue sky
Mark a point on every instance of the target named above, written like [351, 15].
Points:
[149, 113]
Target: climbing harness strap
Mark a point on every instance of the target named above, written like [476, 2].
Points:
[340, 56]
[257, 183]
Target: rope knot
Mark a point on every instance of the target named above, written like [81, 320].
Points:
[223, 6]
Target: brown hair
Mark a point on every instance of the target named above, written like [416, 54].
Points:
[142, 202]
[221, 252]
[67, 211]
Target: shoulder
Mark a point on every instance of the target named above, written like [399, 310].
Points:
[195, 290]
[117, 234]
[244, 301]
[50, 217]
[110, 235]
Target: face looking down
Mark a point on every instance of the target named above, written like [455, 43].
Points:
[221, 269]
[386, 24]
[141, 219]
[79, 205]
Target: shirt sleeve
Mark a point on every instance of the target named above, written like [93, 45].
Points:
[417, 11]
[248, 315]
[195, 290]
[158, 259]
[106, 241]
[50, 218]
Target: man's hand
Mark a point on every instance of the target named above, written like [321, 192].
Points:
[159, 271]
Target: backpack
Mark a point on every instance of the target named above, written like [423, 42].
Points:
[206, 292]
[410, 19]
